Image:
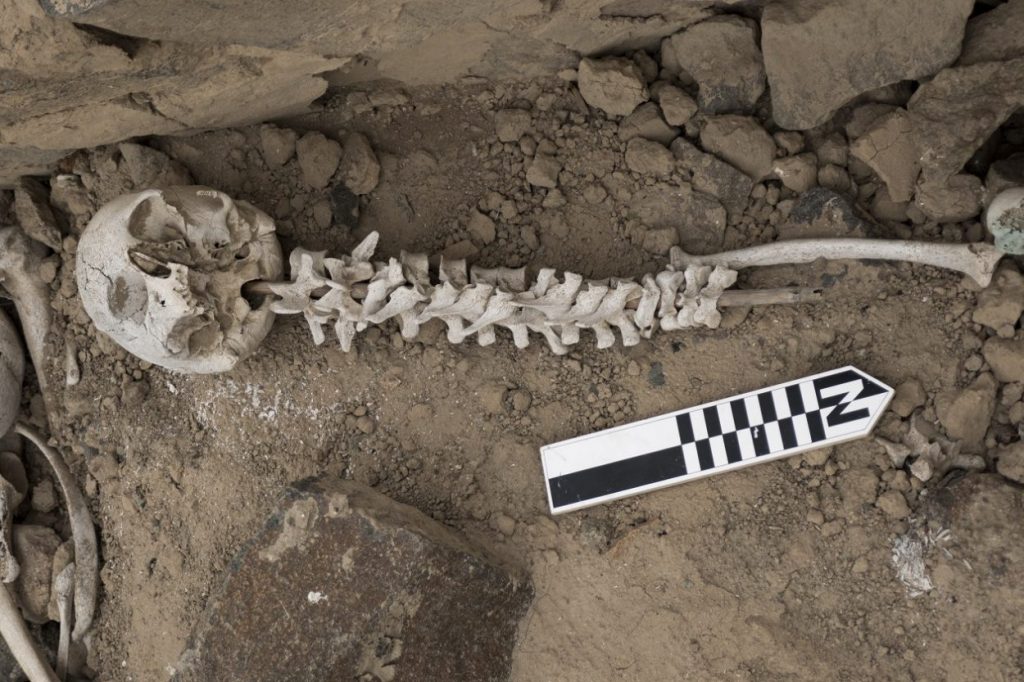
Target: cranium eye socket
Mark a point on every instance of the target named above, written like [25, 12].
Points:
[149, 265]
[155, 221]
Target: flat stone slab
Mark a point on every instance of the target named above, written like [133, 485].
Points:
[344, 583]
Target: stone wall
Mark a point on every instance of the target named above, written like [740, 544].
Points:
[81, 73]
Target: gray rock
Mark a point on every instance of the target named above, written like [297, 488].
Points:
[959, 109]
[908, 397]
[698, 219]
[1005, 357]
[888, 147]
[318, 159]
[658, 242]
[277, 145]
[1004, 173]
[543, 171]
[884, 208]
[965, 414]
[836, 178]
[360, 169]
[34, 547]
[863, 118]
[481, 227]
[893, 504]
[820, 212]
[1010, 462]
[648, 158]
[995, 36]
[344, 206]
[1001, 302]
[344, 583]
[511, 124]
[677, 107]
[713, 176]
[613, 85]
[820, 55]
[952, 200]
[34, 213]
[722, 56]
[799, 173]
[646, 122]
[741, 141]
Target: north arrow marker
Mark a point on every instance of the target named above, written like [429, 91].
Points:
[760, 426]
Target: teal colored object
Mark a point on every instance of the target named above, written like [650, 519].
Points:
[1005, 220]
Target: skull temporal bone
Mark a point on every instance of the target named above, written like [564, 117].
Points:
[161, 273]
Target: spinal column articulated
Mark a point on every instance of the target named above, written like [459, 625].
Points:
[353, 292]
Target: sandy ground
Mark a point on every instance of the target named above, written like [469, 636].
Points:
[778, 572]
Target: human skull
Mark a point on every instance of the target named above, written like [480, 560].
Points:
[161, 273]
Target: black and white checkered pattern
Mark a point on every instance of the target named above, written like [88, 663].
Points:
[775, 422]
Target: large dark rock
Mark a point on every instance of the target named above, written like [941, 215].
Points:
[959, 109]
[820, 55]
[346, 584]
[713, 176]
[820, 212]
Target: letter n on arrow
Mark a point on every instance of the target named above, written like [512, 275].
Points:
[838, 392]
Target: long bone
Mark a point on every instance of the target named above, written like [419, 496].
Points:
[977, 261]
[20, 258]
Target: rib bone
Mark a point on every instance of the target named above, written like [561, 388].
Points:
[87, 558]
[977, 261]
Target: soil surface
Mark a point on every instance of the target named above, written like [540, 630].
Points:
[780, 571]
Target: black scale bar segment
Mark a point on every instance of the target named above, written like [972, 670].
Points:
[685, 426]
[767, 407]
[760, 437]
[739, 414]
[615, 477]
[816, 426]
[712, 421]
[704, 455]
[732, 447]
[788, 433]
[796, 401]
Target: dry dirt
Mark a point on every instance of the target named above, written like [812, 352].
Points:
[778, 572]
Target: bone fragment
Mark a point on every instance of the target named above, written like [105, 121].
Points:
[64, 586]
[20, 642]
[20, 258]
[739, 298]
[72, 372]
[977, 261]
[12, 371]
[83, 534]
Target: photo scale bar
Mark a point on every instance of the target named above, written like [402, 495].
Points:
[763, 425]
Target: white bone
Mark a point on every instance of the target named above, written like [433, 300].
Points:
[12, 371]
[161, 272]
[977, 261]
[24, 649]
[83, 534]
[20, 258]
[64, 587]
